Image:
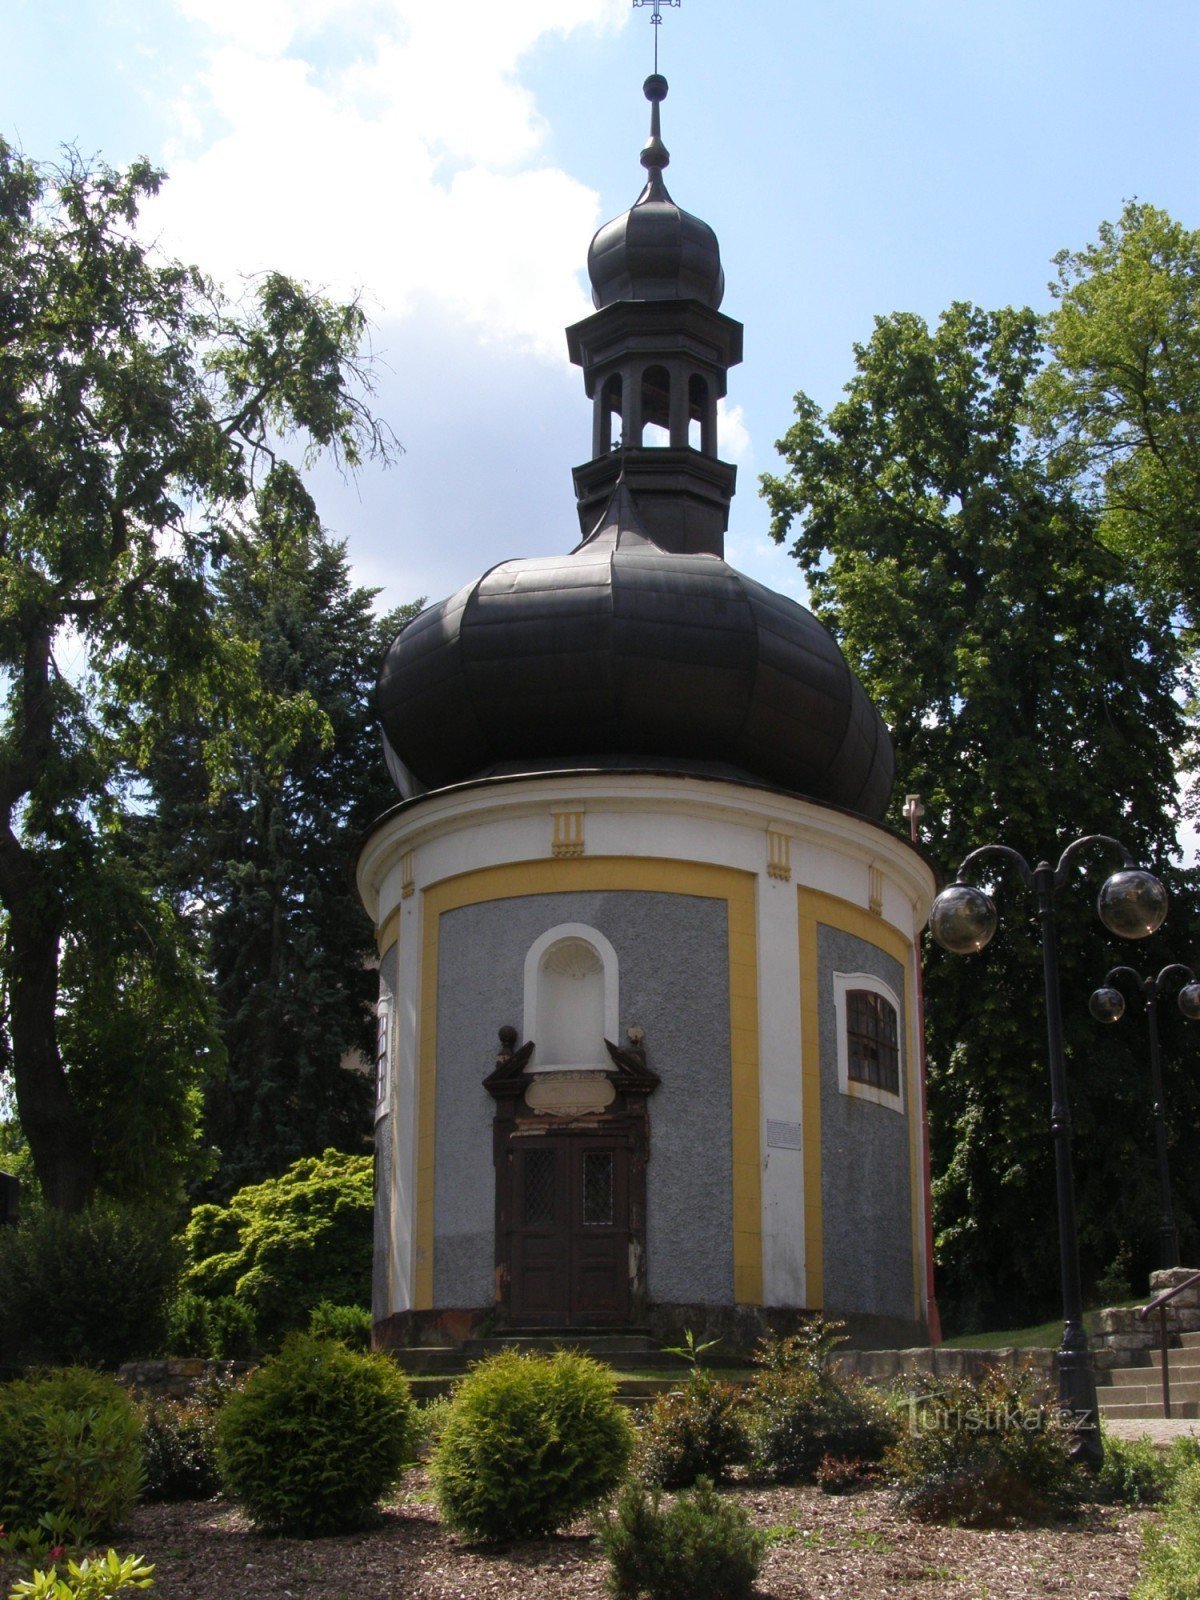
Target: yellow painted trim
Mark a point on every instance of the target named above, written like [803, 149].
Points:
[611, 873]
[815, 906]
[388, 933]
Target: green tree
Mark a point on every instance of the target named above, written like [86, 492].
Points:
[1030, 695]
[264, 863]
[1120, 395]
[139, 412]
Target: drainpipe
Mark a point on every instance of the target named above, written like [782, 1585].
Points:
[914, 811]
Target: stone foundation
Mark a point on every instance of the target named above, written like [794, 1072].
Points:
[738, 1328]
[1125, 1333]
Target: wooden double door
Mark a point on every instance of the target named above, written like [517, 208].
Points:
[568, 1230]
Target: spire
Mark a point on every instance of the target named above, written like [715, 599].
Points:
[655, 155]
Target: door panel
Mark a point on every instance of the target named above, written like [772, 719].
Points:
[569, 1243]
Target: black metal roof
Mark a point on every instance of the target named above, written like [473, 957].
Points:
[656, 250]
[625, 654]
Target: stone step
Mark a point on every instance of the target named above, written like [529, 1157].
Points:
[1188, 1343]
[631, 1392]
[594, 1342]
[1147, 1393]
[1145, 1412]
[1187, 1371]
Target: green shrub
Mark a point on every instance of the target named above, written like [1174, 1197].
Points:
[232, 1335]
[530, 1441]
[179, 1450]
[281, 1246]
[93, 1287]
[801, 1410]
[695, 1431]
[70, 1446]
[94, 1578]
[187, 1326]
[351, 1324]
[700, 1547]
[1172, 1569]
[315, 1437]
[985, 1454]
[1134, 1472]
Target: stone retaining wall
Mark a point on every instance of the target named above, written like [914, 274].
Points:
[1125, 1333]
[915, 1366]
[176, 1377]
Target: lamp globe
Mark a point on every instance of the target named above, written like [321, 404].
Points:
[962, 919]
[1107, 1005]
[1132, 904]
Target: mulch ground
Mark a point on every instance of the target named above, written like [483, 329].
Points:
[826, 1547]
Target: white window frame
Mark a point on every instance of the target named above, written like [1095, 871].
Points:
[843, 982]
[383, 1058]
[533, 963]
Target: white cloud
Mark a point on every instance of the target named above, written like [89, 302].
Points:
[388, 148]
[733, 436]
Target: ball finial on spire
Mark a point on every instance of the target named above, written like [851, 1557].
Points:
[655, 155]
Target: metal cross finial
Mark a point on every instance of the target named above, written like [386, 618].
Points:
[656, 19]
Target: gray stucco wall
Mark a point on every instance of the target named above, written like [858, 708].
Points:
[865, 1180]
[382, 1262]
[672, 953]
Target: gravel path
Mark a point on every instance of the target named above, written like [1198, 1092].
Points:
[825, 1548]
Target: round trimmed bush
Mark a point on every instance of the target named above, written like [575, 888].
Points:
[70, 1446]
[699, 1547]
[530, 1441]
[317, 1435]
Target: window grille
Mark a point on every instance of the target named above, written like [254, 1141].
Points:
[873, 1040]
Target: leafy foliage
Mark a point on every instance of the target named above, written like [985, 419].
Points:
[699, 1547]
[70, 1446]
[1134, 1472]
[351, 1324]
[1031, 696]
[140, 412]
[694, 1431]
[1172, 1567]
[800, 1409]
[179, 1443]
[92, 1287]
[1120, 396]
[529, 1443]
[986, 1454]
[315, 1437]
[281, 1246]
[93, 1578]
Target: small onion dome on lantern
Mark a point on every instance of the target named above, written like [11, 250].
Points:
[1132, 904]
[1107, 1004]
[624, 656]
[655, 250]
[963, 919]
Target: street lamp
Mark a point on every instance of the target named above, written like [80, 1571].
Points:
[1132, 904]
[1107, 1004]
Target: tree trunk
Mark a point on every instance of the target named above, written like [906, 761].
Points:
[58, 1136]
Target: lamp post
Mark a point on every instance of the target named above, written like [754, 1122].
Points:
[1107, 1004]
[1131, 904]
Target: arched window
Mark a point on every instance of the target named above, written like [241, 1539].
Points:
[611, 405]
[699, 429]
[570, 998]
[383, 1058]
[656, 407]
[868, 1036]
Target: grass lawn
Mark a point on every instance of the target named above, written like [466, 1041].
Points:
[1045, 1334]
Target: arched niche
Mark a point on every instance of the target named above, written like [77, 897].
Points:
[570, 998]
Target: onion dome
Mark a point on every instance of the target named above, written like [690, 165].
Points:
[656, 250]
[628, 656]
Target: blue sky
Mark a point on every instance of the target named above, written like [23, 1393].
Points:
[450, 161]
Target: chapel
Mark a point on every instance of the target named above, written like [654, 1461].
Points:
[649, 1020]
